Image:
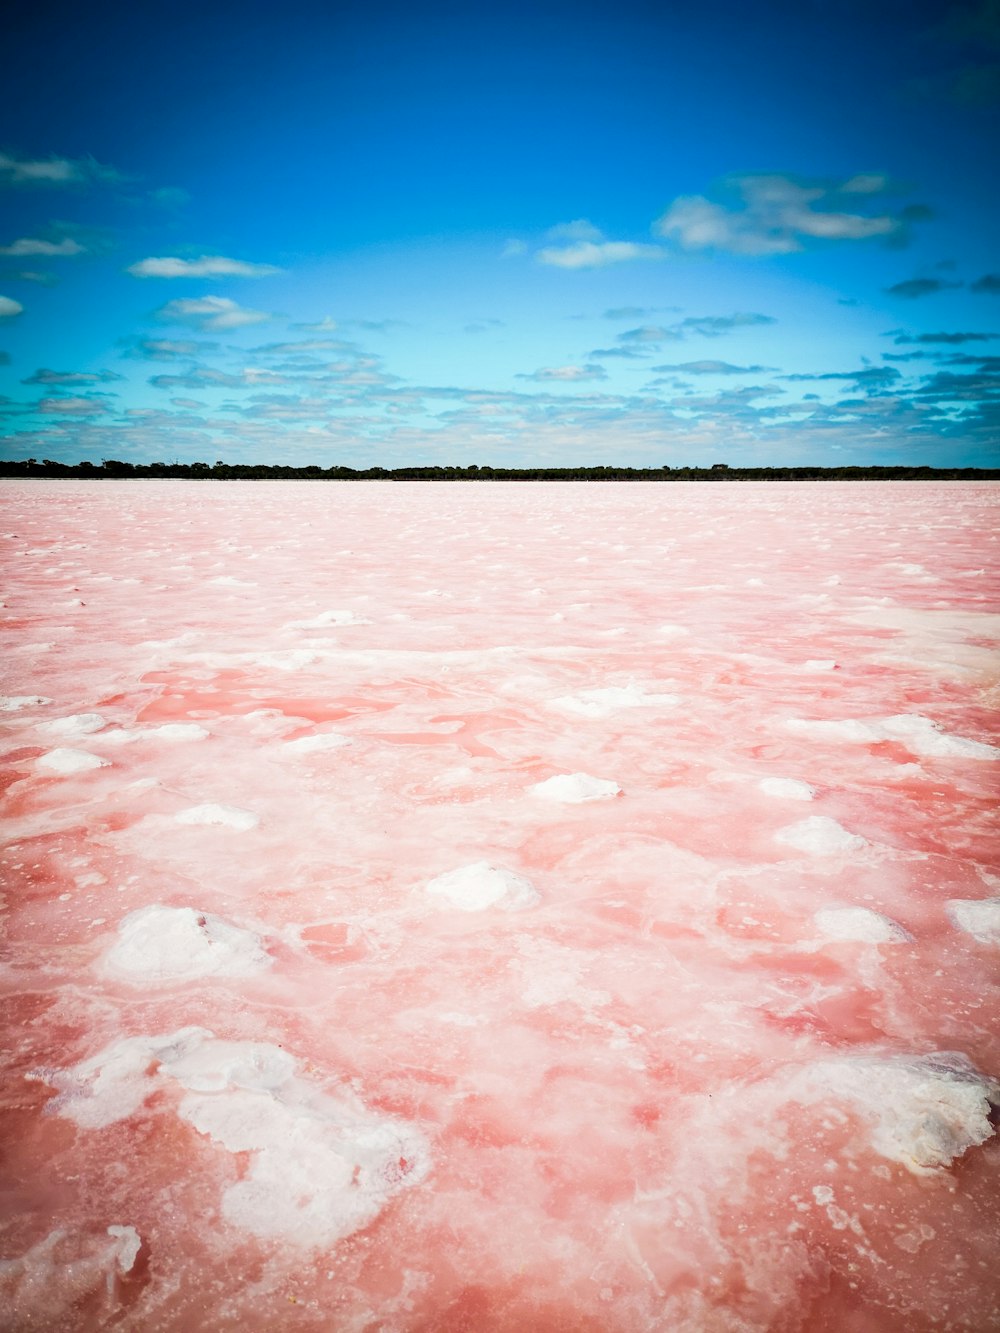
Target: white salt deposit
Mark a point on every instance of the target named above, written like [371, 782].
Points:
[979, 917]
[819, 664]
[921, 735]
[321, 1167]
[858, 923]
[789, 789]
[326, 619]
[476, 887]
[13, 703]
[159, 943]
[167, 731]
[575, 788]
[79, 724]
[230, 816]
[611, 699]
[67, 761]
[819, 835]
[327, 740]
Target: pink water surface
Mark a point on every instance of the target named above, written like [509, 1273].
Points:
[647, 1072]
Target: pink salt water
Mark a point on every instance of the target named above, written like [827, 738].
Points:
[500, 907]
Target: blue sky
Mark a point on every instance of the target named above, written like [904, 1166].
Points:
[548, 233]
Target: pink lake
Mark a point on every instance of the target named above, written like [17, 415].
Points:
[548, 907]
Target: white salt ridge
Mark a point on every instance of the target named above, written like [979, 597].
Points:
[68, 761]
[576, 788]
[789, 789]
[919, 734]
[79, 724]
[923, 1112]
[167, 731]
[328, 619]
[820, 836]
[611, 699]
[859, 923]
[230, 816]
[321, 1167]
[978, 917]
[481, 885]
[158, 943]
[819, 664]
[13, 703]
[327, 740]
[62, 1269]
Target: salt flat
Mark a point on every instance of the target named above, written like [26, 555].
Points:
[500, 907]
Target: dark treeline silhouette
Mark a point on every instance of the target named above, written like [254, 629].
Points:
[113, 467]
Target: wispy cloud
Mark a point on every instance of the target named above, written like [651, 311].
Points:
[9, 307]
[34, 245]
[72, 407]
[988, 284]
[72, 377]
[711, 368]
[902, 339]
[218, 313]
[780, 214]
[208, 266]
[55, 171]
[913, 288]
[567, 374]
[165, 349]
[579, 244]
[704, 326]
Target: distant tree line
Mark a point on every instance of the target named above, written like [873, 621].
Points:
[113, 467]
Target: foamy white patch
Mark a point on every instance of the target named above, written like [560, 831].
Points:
[78, 724]
[328, 619]
[159, 943]
[789, 789]
[68, 761]
[611, 699]
[230, 816]
[326, 740]
[858, 923]
[228, 581]
[923, 1112]
[819, 664]
[321, 1167]
[66, 1267]
[979, 917]
[575, 788]
[13, 703]
[820, 836]
[171, 732]
[479, 886]
[921, 735]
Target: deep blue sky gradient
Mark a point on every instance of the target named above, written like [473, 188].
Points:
[410, 172]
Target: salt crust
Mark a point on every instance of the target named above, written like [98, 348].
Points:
[328, 619]
[64, 1267]
[858, 923]
[575, 788]
[611, 699]
[919, 734]
[68, 761]
[13, 703]
[979, 917]
[790, 789]
[167, 731]
[327, 740]
[79, 724]
[819, 835]
[479, 886]
[228, 815]
[157, 944]
[321, 1167]
[923, 1111]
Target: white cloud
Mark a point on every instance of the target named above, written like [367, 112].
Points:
[208, 266]
[596, 254]
[31, 245]
[580, 229]
[210, 312]
[568, 374]
[72, 407]
[54, 171]
[9, 308]
[775, 215]
[512, 248]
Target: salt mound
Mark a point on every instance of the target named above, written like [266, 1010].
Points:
[979, 917]
[858, 923]
[229, 815]
[789, 789]
[327, 740]
[921, 735]
[70, 761]
[13, 703]
[923, 1112]
[611, 699]
[321, 1167]
[167, 731]
[575, 788]
[79, 724]
[179, 944]
[476, 887]
[820, 835]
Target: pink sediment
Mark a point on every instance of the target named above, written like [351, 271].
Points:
[369, 1034]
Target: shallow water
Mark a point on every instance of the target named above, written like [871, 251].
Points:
[500, 907]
